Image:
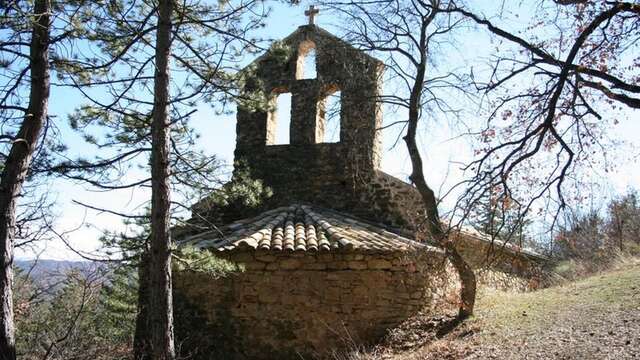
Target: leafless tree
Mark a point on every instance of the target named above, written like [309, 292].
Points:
[577, 63]
[409, 33]
[557, 84]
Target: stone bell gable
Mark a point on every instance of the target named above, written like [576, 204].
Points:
[339, 67]
[342, 175]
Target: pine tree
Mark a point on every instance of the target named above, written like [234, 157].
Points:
[17, 164]
[116, 311]
[138, 42]
[33, 49]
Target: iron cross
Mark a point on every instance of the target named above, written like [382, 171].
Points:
[311, 13]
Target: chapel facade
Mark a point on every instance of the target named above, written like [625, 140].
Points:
[332, 258]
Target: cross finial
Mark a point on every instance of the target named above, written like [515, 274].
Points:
[311, 13]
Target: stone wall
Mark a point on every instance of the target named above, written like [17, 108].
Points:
[287, 305]
[398, 203]
[500, 266]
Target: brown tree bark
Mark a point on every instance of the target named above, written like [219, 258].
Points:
[141, 336]
[434, 226]
[160, 305]
[17, 165]
[465, 272]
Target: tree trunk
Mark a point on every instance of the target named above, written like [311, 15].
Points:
[466, 274]
[141, 336]
[17, 165]
[467, 277]
[160, 308]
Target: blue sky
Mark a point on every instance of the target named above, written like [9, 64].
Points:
[82, 227]
[445, 151]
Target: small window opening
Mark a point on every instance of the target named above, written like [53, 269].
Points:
[279, 120]
[329, 117]
[306, 65]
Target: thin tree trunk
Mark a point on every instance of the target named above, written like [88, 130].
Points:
[466, 274]
[160, 310]
[467, 277]
[141, 336]
[16, 167]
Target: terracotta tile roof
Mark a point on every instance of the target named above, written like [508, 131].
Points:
[302, 228]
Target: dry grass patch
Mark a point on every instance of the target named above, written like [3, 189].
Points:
[614, 290]
[594, 318]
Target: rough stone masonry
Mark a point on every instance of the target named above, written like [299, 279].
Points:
[331, 259]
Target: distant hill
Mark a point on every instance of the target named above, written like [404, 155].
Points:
[49, 271]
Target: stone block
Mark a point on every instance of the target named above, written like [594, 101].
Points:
[246, 309]
[248, 290]
[379, 264]
[243, 257]
[275, 280]
[308, 259]
[314, 266]
[360, 291]
[325, 257]
[333, 276]
[249, 299]
[357, 265]
[268, 296]
[290, 264]
[349, 257]
[331, 294]
[266, 258]
[337, 265]
[255, 265]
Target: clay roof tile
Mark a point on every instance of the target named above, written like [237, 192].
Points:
[302, 228]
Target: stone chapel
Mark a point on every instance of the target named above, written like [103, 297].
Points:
[332, 259]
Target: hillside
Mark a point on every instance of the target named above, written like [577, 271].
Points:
[46, 272]
[595, 318]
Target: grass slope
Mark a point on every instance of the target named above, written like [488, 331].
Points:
[594, 318]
